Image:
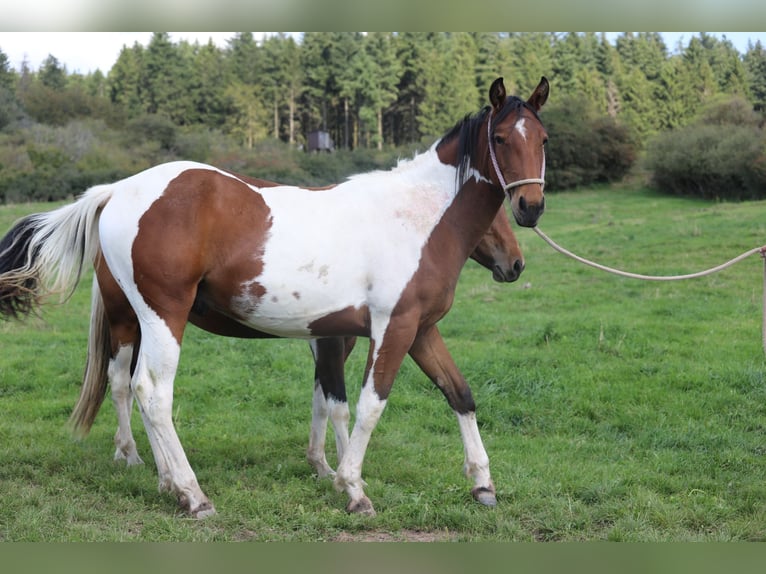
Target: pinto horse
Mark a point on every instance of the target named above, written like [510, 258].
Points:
[498, 251]
[184, 239]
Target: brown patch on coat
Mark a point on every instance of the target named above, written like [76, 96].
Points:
[351, 321]
[200, 241]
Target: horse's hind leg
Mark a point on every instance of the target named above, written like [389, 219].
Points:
[329, 401]
[432, 356]
[152, 385]
[122, 397]
[124, 337]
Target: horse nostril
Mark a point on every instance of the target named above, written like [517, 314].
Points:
[518, 267]
[522, 204]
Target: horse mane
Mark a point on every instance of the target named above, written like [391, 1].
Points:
[467, 130]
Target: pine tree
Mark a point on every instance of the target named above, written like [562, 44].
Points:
[433, 83]
[464, 96]
[165, 80]
[410, 48]
[697, 62]
[7, 77]
[124, 80]
[243, 58]
[382, 73]
[52, 74]
[530, 57]
[755, 66]
[208, 75]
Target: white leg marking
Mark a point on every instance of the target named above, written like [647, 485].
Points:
[119, 380]
[339, 416]
[153, 389]
[476, 460]
[319, 415]
[338, 412]
[368, 411]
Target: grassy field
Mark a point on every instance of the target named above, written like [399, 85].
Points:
[612, 409]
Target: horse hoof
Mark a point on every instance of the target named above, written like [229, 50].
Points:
[485, 495]
[131, 459]
[203, 511]
[362, 506]
[325, 472]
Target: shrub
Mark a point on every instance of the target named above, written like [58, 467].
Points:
[151, 127]
[585, 147]
[722, 155]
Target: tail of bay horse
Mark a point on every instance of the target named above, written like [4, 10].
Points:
[498, 251]
[187, 242]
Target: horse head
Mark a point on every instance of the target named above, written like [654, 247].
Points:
[516, 147]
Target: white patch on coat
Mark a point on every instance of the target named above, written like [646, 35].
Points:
[355, 245]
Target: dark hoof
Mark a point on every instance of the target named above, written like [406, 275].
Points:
[362, 506]
[485, 495]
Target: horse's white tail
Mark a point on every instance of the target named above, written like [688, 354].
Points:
[44, 253]
[95, 377]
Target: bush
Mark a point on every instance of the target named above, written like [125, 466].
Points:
[712, 162]
[585, 147]
[151, 127]
[722, 155]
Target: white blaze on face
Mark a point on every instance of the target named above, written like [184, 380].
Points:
[519, 127]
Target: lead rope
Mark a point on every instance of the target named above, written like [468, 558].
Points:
[716, 269]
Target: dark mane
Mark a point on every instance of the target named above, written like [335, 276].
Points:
[467, 130]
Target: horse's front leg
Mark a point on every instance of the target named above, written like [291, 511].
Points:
[387, 350]
[432, 356]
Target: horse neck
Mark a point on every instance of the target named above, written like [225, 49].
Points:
[474, 208]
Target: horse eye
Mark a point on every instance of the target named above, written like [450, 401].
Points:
[499, 140]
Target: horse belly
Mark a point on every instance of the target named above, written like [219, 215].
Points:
[293, 304]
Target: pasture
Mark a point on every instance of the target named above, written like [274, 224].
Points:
[611, 409]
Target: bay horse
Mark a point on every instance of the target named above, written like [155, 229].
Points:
[186, 238]
[498, 250]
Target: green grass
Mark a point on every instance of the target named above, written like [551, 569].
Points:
[612, 409]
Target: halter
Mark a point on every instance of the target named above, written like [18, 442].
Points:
[514, 184]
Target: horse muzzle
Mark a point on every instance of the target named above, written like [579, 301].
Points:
[508, 274]
[525, 213]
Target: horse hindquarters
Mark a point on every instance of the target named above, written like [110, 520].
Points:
[147, 321]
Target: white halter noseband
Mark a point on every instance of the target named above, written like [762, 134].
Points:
[509, 186]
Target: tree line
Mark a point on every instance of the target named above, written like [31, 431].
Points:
[380, 89]
[383, 91]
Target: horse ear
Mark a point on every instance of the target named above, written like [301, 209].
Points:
[497, 94]
[540, 95]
